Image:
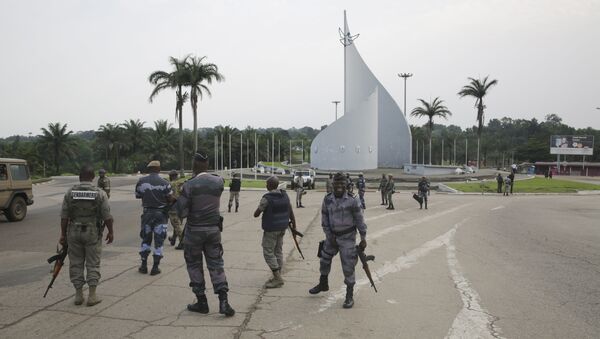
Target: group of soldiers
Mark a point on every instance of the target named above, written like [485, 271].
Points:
[387, 189]
[86, 214]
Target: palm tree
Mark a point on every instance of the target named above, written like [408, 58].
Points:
[57, 141]
[478, 89]
[431, 110]
[176, 79]
[111, 136]
[134, 132]
[200, 75]
[160, 138]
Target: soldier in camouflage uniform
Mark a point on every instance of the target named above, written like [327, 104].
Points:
[234, 192]
[361, 185]
[84, 212]
[329, 184]
[390, 190]
[299, 183]
[104, 182]
[341, 218]
[382, 185]
[173, 217]
[199, 201]
[156, 195]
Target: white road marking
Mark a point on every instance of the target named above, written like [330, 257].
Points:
[473, 321]
[413, 222]
[403, 262]
[392, 301]
[497, 208]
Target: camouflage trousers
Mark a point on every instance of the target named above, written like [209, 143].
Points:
[346, 245]
[361, 195]
[85, 247]
[154, 225]
[176, 223]
[272, 244]
[299, 193]
[389, 199]
[383, 197]
[232, 196]
[199, 243]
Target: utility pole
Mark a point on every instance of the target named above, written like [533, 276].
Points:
[336, 102]
[230, 153]
[241, 157]
[255, 156]
[466, 152]
[405, 76]
[248, 152]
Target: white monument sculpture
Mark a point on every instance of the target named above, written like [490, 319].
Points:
[373, 132]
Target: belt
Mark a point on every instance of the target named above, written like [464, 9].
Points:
[154, 208]
[350, 230]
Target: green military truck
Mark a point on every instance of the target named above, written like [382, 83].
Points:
[15, 188]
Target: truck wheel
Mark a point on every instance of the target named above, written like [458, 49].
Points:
[17, 209]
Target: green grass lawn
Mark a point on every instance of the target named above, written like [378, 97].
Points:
[274, 164]
[249, 183]
[535, 185]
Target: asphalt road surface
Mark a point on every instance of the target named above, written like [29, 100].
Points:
[470, 266]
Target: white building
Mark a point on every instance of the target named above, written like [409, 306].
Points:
[373, 132]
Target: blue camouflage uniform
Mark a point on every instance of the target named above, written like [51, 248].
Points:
[361, 184]
[153, 190]
[341, 218]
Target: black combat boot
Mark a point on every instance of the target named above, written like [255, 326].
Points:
[201, 306]
[349, 302]
[322, 286]
[236, 207]
[180, 245]
[155, 270]
[224, 307]
[172, 240]
[229, 208]
[144, 266]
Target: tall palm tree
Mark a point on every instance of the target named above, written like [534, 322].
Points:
[200, 75]
[478, 89]
[59, 142]
[134, 132]
[176, 79]
[161, 140]
[111, 136]
[431, 110]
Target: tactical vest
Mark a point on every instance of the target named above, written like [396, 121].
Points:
[84, 206]
[277, 214]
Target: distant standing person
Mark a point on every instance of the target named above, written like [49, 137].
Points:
[173, 217]
[382, 185]
[299, 183]
[512, 181]
[423, 188]
[329, 183]
[507, 184]
[200, 202]
[103, 182]
[85, 212]
[550, 174]
[361, 185]
[349, 184]
[277, 214]
[156, 195]
[390, 189]
[234, 192]
[500, 181]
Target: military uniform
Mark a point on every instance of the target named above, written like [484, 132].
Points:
[85, 207]
[234, 193]
[423, 190]
[389, 190]
[276, 209]
[361, 184]
[154, 192]
[382, 186]
[104, 184]
[200, 202]
[176, 185]
[299, 182]
[329, 184]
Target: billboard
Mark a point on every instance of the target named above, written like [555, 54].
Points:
[572, 144]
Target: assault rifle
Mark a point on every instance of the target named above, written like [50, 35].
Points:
[364, 259]
[58, 260]
[294, 234]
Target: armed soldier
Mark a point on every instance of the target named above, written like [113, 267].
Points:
[104, 182]
[277, 215]
[390, 190]
[234, 192]
[156, 195]
[329, 183]
[423, 188]
[173, 217]
[382, 185]
[361, 184]
[299, 183]
[85, 211]
[341, 218]
[200, 201]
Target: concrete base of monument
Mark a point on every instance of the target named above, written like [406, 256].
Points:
[428, 170]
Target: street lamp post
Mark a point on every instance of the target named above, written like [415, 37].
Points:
[336, 102]
[405, 76]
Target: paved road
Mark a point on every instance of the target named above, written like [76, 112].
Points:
[470, 266]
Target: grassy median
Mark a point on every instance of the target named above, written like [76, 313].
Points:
[535, 185]
[250, 183]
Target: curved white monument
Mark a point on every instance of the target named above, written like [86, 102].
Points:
[373, 131]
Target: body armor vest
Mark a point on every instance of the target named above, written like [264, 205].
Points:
[277, 214]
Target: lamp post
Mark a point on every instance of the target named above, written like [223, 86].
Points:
[405, 76]
[336, 102]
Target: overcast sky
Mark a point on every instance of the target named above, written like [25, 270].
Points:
[86, 63]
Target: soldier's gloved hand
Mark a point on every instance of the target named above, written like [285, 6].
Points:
[362, 245]
[109, 237]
